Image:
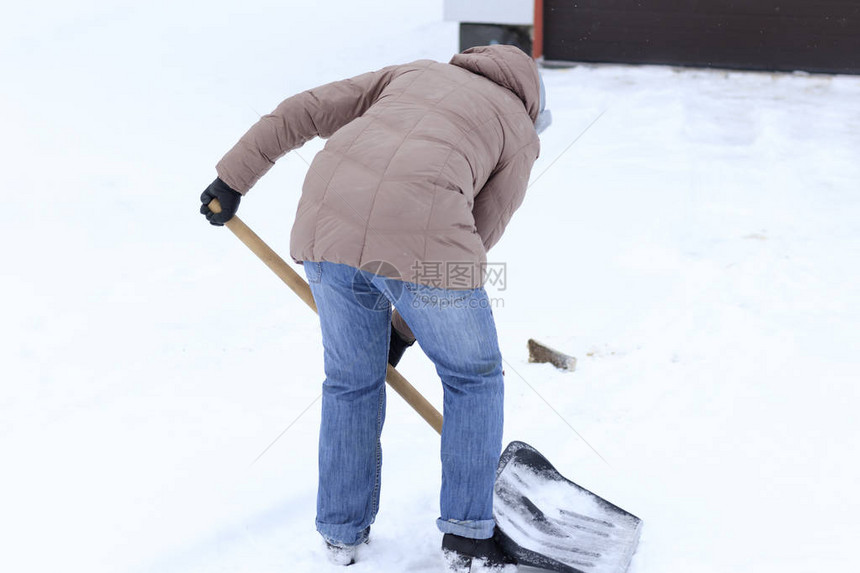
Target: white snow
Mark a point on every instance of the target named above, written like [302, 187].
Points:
[696, 249]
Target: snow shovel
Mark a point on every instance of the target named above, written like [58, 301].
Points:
[549, 522]
[544, 519]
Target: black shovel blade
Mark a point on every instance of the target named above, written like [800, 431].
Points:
[549, 522]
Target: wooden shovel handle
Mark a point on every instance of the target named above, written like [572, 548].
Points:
[299, 286]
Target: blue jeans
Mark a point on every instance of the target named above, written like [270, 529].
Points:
[455, 328]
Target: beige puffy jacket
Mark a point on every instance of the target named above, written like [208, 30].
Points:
[424, 165]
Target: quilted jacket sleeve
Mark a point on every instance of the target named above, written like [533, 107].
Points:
[317, 112]
[502, 195]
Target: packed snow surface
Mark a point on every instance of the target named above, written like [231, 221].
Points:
[692, 237]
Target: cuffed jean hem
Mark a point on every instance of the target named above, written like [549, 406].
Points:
[482, 529]
[342, 535]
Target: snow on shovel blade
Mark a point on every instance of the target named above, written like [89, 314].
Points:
[547, 521]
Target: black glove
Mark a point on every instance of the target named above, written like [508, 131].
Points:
[228, 198]
[397, 347]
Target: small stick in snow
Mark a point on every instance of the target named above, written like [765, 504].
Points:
[541, 353]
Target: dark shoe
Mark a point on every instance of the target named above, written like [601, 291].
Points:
[340, 554]
[463, 554]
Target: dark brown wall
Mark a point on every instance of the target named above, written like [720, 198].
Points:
[810, 35]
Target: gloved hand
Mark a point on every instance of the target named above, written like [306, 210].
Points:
[401, 339]
[228, 198]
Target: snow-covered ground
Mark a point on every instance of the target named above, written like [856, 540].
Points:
[697, 249]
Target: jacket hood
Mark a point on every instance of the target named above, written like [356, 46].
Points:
[507, 66]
